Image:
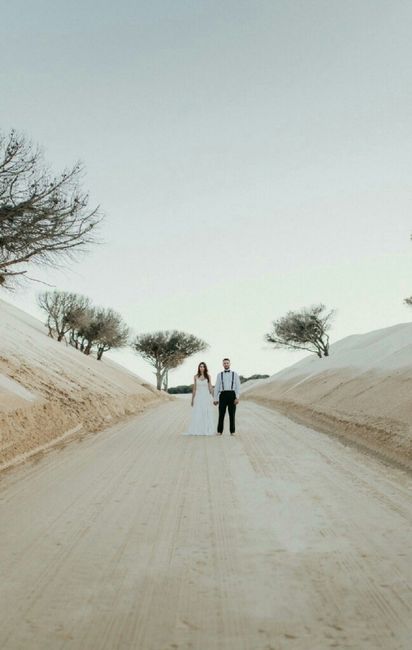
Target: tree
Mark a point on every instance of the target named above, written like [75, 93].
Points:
[113, 333]
[303, 330]
[408, 301]
[251, 378]
[166, 350]
[80, 323]
[104, 329]
[179, 390]
[65, 311]
[88, 325]
[42, 217]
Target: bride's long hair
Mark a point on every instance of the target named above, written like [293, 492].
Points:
[205, 372]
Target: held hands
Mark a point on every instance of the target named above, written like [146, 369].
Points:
[236, 401]
[215, 403]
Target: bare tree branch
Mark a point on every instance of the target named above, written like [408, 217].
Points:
[303, 330]
[43, 217]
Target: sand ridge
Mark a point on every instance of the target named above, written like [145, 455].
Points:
[48, 389]
[362, 391]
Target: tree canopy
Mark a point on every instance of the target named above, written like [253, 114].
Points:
[87, 326]
[43, 217]
[65, 311]
[166, 350]
[303, 330]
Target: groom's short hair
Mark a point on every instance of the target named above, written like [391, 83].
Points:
[226, 359]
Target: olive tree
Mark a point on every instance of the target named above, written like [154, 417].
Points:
[43, 217]
[306, 329]
[103, 329]
[113, 332]
[65, 311]
[166, 350]
[88, 326]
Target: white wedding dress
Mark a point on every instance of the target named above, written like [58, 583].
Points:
[203, 418]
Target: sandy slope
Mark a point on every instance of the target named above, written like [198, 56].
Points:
[48, 389]
[362, 391]
[142, 539]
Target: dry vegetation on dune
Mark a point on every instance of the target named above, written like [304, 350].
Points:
[47, 389]
[362, 391]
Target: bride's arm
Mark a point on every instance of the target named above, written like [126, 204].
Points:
[194, 389]
[211, 389]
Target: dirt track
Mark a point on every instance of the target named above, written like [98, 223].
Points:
[138, 538]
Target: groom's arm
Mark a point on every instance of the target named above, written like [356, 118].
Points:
[237, 385]
[217, 388]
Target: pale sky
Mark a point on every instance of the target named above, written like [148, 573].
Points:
[251, 157]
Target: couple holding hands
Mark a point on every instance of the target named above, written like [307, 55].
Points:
[225, 395]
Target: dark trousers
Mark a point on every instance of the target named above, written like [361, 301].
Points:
[227, 401]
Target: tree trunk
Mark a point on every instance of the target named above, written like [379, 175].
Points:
[99, 353]
[159, 379]
[88, 348]
[60, 336]
[50, 328]
[324, 347]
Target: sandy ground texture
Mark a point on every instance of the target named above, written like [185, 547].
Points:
[280, 538]
[363, 391]
[49, 389]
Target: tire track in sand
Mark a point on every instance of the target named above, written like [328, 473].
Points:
[140, 538]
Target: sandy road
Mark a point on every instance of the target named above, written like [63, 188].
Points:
[139, 538]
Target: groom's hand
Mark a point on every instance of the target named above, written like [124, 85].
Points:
[236, 401]
[215, 403]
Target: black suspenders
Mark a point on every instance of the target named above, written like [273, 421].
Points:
[221, 380]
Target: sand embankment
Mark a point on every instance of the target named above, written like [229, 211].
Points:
[363, 391]
[49, 390]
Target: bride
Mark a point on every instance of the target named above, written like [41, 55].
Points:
[202, 422]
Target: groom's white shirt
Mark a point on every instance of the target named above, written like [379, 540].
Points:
[227, 383]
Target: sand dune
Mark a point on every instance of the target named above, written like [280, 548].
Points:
[48, 389]
[362, 391]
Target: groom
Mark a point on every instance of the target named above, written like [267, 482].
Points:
[227, 390]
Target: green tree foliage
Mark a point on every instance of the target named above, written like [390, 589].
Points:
[166, 350]
[87, 326]
[303, 330]
[180, 390]
[245, 379]
[65, 311]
